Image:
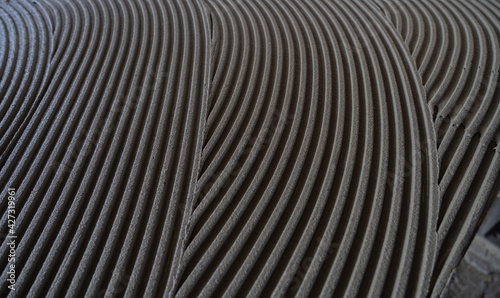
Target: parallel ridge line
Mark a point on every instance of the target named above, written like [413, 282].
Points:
[260, 214]
[95, 179]
[455, 46]
[245, 148]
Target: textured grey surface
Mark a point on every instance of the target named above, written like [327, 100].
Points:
[236, 148]
[478, 274]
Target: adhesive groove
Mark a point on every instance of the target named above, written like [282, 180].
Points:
[245, 148]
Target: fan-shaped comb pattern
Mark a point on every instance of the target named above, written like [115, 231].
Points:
[334, 117]
[245, 148]
[112, 164]
[455, 45]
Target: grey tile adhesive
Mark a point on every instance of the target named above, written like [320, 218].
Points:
[234, 148]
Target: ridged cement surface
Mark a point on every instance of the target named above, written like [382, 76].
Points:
[456, 48]
[245, 148]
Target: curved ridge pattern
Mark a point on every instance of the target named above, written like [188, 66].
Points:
[116, 129]
[245, 148]
[317, 188]
[455, 45]
[24, 60]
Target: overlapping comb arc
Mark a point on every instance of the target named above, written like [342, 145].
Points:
[105, 158]
[245, 148]
[456, 48]
[313, 179]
